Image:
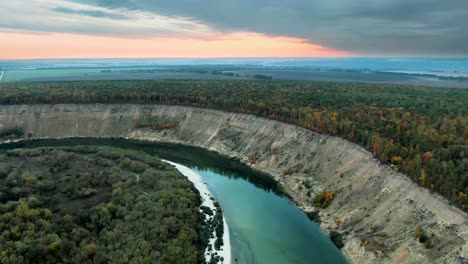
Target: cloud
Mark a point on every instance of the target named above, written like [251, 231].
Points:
[368, 27]
[92, 13]
[61, 16]
[383, 27]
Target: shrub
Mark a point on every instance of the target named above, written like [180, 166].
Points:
[423, 238]
[12, 132]
[314, 216]
[4, 170]
[323, 199]
[337, 239]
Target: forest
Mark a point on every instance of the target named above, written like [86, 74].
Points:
[419, 131]
[90, 204]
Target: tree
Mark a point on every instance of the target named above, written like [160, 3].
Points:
[396, 159]
[337, 239]
[462, 198]
[426, 156]
[422, 178]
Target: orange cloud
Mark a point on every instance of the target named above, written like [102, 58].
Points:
[36, 46]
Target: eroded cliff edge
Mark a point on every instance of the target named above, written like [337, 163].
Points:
[374, 206]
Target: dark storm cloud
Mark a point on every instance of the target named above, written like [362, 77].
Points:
[373, 27]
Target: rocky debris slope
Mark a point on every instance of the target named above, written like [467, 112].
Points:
[379, 212]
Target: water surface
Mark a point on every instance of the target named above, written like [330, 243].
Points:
[265, 226]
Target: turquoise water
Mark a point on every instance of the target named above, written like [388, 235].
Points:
[265, 226]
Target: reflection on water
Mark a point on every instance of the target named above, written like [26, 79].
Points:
[265, 226]
[186, 155]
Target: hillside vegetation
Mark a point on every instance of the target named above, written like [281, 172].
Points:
[96, 205]
[420, 131]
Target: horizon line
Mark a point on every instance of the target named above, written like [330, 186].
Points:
[246, 57]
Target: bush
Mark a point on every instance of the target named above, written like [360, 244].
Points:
[323, 199]
[12, 132]
[133, 165]
[314, 216]
[337, 239]
[4, 170]
[206, 210]
[423, 238]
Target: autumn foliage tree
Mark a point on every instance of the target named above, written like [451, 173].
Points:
[425, 127]
[323, 199]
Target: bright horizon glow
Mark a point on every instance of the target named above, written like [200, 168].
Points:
[22, 46]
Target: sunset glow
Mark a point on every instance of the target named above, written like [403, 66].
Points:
[60, 45]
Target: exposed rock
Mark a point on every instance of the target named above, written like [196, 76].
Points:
[376, 209]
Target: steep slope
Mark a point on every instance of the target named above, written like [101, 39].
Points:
[379, 211]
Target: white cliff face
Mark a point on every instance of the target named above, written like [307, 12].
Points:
[376, 209]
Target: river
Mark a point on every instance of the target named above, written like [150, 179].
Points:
[264, 225]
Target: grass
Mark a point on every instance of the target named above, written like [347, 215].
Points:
[20, 75]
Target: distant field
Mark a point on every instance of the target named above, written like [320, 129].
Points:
[58, 74]
[19, 75]
[354, 76]
[125, 76]
[220, 73]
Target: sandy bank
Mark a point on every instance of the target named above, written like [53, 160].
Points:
[376, 209]
[206, 196]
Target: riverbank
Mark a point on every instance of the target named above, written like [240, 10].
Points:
[371, 203]
[207, 200]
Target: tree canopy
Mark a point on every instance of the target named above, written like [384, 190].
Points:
[96, 205]
[420, 131]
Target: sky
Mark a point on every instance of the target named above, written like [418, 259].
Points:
[32, 29]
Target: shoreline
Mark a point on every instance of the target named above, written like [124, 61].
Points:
[197, 180]
[338, 163]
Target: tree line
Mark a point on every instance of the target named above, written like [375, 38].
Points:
[420, 131]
